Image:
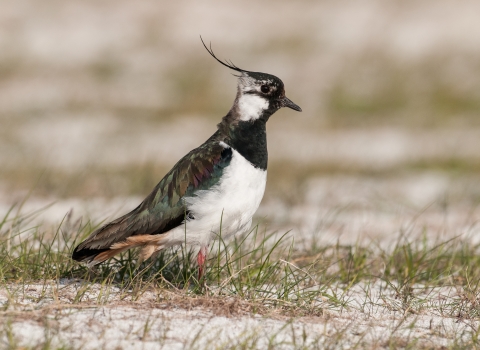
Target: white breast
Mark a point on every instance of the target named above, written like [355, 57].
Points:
[228, 207]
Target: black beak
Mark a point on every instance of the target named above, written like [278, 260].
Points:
[287, 103]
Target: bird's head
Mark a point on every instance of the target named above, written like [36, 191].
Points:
[259, 94]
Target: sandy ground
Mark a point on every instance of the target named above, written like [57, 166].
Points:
[373, 318]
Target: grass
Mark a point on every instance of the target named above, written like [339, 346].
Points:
[258, 273]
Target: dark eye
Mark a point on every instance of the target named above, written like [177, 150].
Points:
[265, 89]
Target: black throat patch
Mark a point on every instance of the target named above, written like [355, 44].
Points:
[250, 140]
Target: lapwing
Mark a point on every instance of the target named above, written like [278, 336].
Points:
[214, 189]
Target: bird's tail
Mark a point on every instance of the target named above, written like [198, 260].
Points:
[113, 239]
[93, 256]
[98, 246]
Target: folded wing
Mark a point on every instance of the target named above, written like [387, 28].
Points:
[164, 208]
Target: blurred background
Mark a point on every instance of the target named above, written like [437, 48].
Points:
[98, 99]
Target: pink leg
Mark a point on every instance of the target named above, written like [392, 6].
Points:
[201, 258]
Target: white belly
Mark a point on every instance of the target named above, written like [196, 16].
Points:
[226, 208]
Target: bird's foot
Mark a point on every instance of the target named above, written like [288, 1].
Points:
[201, 259]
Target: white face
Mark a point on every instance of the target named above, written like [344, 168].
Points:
[251, 107]
[251, 103]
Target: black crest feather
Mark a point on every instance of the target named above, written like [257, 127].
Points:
[226, 63]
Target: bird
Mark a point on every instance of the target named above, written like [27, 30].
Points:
[214, 189]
